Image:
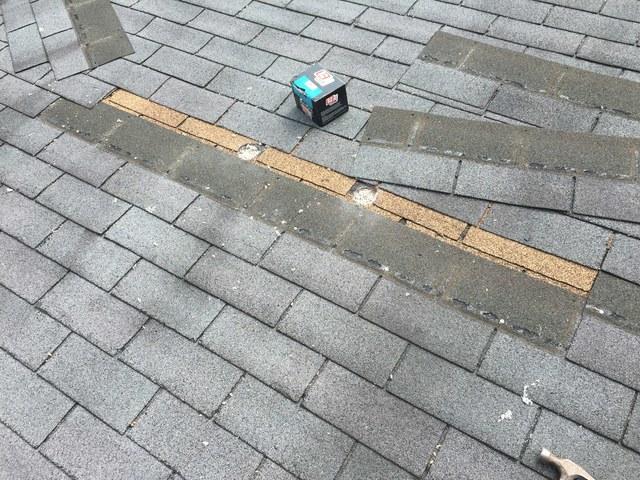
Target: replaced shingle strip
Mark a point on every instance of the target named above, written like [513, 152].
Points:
[386, 203]
[99, 31]
[534, 73]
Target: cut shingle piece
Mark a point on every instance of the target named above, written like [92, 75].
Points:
[25, 271]
[515, 186]
[87, 448]
[406, 167]
[103, 385]
[191, 372]
[168, 299]
[29, 405]
[29, 334]
[551, 381]
[381, 421]
[25, 219]
[26, 48]
[623, 259]
[23, 96]
[82, 203]
[65, 54]
[343, 337]
[243, 285]
[272, 357]
[93, 313]
[284, 431]
[444, 81]
[92, 257]
[157, 241]
[183, 438]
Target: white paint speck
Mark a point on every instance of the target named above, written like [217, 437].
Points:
[508, 415]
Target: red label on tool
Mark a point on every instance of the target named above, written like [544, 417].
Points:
[331, 100]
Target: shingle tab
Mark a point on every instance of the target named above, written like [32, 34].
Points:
[289, 45]
[409, 28]
[542, 110]
[24, 219]
[607, 198]
[623, 259]
[266, 127]
[551, 381]
[29, 334]
[527, 10]
[245, 286]
[184, 66]
[465, 401]
[447, 82]
[338, 10]
[25, 173]
[81, 159]
[365, 464]
[194, 374]
[268, 355]
[275, 17]
[23, 96]
[506, 184]
[463, 457]
[304, 444]
[130, 76]
[192, 100]
[112, 391]
[154, 193]
[177, 36]
[343, 35]
[82, 203]
[343, 337]
[86, 448]
[443, 330]
[190, 443]
[31, 135]
[412, 168]
[174, 10]
[242, 57]
[374, 70]
[453, 15]
[322, 272]
[538, 36]
[93, 313]
[225, 26]
[157, 241]
[87, 254]
[25, 462]
[168, 299]
[607, 349]
[593, 25]
[569, 440]
[382, 422]
[255, 90]
[25, 271]
[555, 233]
[29, 405]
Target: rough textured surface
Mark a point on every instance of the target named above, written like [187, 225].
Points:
[168, 299]
[552, 382]
[104, 386]
[343, 337]
[397, 430]
[89, 449]
[319, 271]
[275, 359]
[468, 403]
[303, 443]
[243, 285]
[200, 378]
